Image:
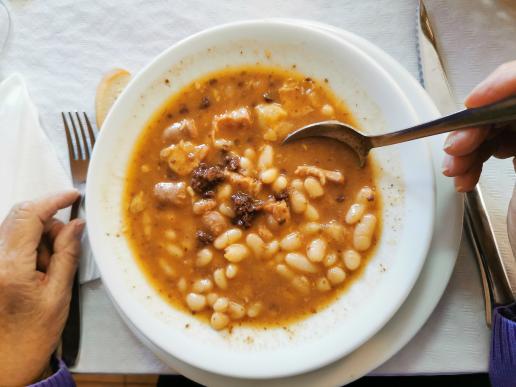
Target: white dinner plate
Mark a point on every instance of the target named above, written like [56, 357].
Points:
[433, 278]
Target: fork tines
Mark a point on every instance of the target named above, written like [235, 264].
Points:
[79, 135]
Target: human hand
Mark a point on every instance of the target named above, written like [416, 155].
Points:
[38, 260]
[467, 149]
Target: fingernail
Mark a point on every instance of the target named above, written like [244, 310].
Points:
[445, 166]
[449, 142]
[79, 227]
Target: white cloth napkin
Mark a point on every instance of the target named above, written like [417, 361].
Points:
[29, 166]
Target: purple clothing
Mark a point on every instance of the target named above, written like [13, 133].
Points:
[502, 362]
[61, 377]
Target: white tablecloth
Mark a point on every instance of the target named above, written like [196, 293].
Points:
[63, 47]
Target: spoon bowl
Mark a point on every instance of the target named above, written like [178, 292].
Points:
[501, 112]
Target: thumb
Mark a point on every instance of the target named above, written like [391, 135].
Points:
[63, 263]
[500, 84]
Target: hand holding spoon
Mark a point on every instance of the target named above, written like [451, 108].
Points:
[499, 112]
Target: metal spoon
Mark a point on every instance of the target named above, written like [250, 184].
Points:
[361, 144]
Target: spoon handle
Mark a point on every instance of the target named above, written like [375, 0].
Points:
[498, 112]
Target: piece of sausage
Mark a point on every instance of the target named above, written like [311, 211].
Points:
[171, 193]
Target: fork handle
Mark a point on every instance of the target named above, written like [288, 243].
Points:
[498, 112]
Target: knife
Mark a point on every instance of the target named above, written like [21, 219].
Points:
[495, 283]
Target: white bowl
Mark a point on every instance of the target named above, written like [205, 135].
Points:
[406, 183]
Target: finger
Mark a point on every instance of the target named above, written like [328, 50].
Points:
[505, 144]
[52, 229]
[464, 141]
[63, 263]
[458, 165]
[44, 252]
[467, 181]
[22, 229]
[500, 84]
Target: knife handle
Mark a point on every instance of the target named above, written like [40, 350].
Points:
[487, 248]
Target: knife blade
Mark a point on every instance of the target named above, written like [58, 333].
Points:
[495, 283]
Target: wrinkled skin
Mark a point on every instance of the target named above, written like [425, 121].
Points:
[38, 260]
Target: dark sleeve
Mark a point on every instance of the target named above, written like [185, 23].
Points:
[61, 377]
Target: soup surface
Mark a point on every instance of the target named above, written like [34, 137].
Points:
[232, 226]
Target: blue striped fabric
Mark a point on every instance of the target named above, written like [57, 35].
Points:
[61, 378]
[502, 362]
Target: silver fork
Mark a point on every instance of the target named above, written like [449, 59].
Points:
[81, 139]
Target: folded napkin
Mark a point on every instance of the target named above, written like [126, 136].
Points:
[29, 166]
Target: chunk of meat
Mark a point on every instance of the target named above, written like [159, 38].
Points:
[245, 183]
[182, 130]
[320, 173]
[203, 205]
[269, 115]
[183, 157]
[215, 222]
[205, 178]
[203, 237]
[171, 193]
[246, 208]
[137, 203]
[234, 120]
[279, 211]
[230, 161]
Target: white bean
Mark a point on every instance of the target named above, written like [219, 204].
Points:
[236, 252]
[297, 184]
[269, 175]
[316, 250]
[174, 250]
[256, 244]
[284, 271]
[311, 228]
[227, 238]
[336, 275]
[196, 302]
[271, 222]
[313, 188]
[300, 262]
[226, 210]
[334, 230]
[330, 259]
[211, 298]
[351, 259]
[219, 320]
[327, 110]
[204, 257]
[363, 234]
[355, 213]
[266, 158]
[280, 184]
[224, 192]
[246, 166]
[365, 195]
[301, 284]
[167, 268]
[221, 305]
[291, 242]
[203, 285]
[322, 284]
[250, 153]
[231, 270]
[204, 205]
[181, 285]
[311, 213]
[255, 309]
[220, 278]
[170, 234]
[271, 248]
[298, 201]
[235, 310]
